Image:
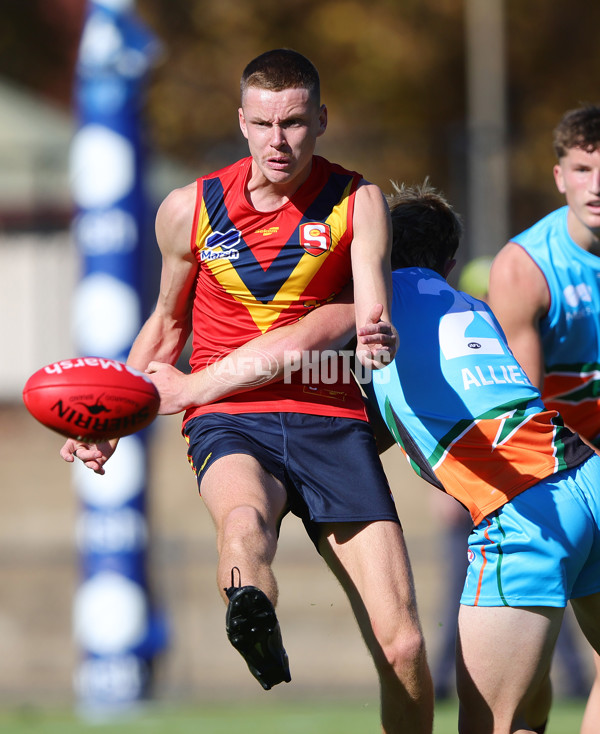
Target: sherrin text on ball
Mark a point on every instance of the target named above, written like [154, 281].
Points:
[91, 398]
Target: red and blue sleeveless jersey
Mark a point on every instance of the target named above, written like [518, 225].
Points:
[262, 270]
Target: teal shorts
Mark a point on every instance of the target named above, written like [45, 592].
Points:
[542, 548]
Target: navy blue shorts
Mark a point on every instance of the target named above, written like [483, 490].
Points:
[329, 466]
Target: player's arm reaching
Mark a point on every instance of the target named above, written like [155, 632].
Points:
[164, 334]
[269, 356]
[371, 267]
[519, 297]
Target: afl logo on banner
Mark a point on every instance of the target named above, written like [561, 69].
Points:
[315, 238]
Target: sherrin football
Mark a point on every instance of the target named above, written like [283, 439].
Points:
[91, 399]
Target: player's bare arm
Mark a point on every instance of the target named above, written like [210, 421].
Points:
[164, 334]
[519, 297]
[267, 357]
[371, 268]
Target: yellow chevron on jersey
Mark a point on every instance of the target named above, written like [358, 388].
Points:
[262, 270]
[274, 275]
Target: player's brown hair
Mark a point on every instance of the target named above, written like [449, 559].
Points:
[578, 128]
[282, 68]
[426, 229]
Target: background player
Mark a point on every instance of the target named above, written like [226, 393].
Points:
[544, 290]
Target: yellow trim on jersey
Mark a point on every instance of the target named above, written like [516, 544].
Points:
[265, 315]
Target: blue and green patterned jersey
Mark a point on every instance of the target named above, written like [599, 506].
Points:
[458, 402]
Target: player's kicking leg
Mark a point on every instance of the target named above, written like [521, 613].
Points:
[371, 563]
[246, 504]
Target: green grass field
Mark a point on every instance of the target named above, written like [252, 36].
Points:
[293, 718]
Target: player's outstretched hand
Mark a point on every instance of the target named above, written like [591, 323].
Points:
[377, 341]
[93, 455]
[172, 386]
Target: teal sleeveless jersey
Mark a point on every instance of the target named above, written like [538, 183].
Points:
[460, 405]
[571, 330]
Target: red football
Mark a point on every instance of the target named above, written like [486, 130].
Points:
[91, 398]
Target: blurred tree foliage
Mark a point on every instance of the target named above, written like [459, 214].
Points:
[391, 115]
[38, 44]
[393, 78]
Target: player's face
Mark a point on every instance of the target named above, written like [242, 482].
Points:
[282, 130]
[577, 176]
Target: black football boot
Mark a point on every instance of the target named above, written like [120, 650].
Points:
[253, 629]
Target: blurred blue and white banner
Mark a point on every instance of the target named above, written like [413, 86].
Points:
[115, 624]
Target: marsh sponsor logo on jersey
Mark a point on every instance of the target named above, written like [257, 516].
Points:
[220, 246]
[315, 238]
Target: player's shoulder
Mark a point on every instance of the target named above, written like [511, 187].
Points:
[178, 202]
[512, 260]
[368, 192]
[176, 212]
[514, 272]
[321, 164]
[371, 211]
[180, 197]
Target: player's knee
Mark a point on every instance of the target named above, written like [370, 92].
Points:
[404, 651]
[245, 527]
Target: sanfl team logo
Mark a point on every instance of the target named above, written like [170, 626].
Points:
[315, 238]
